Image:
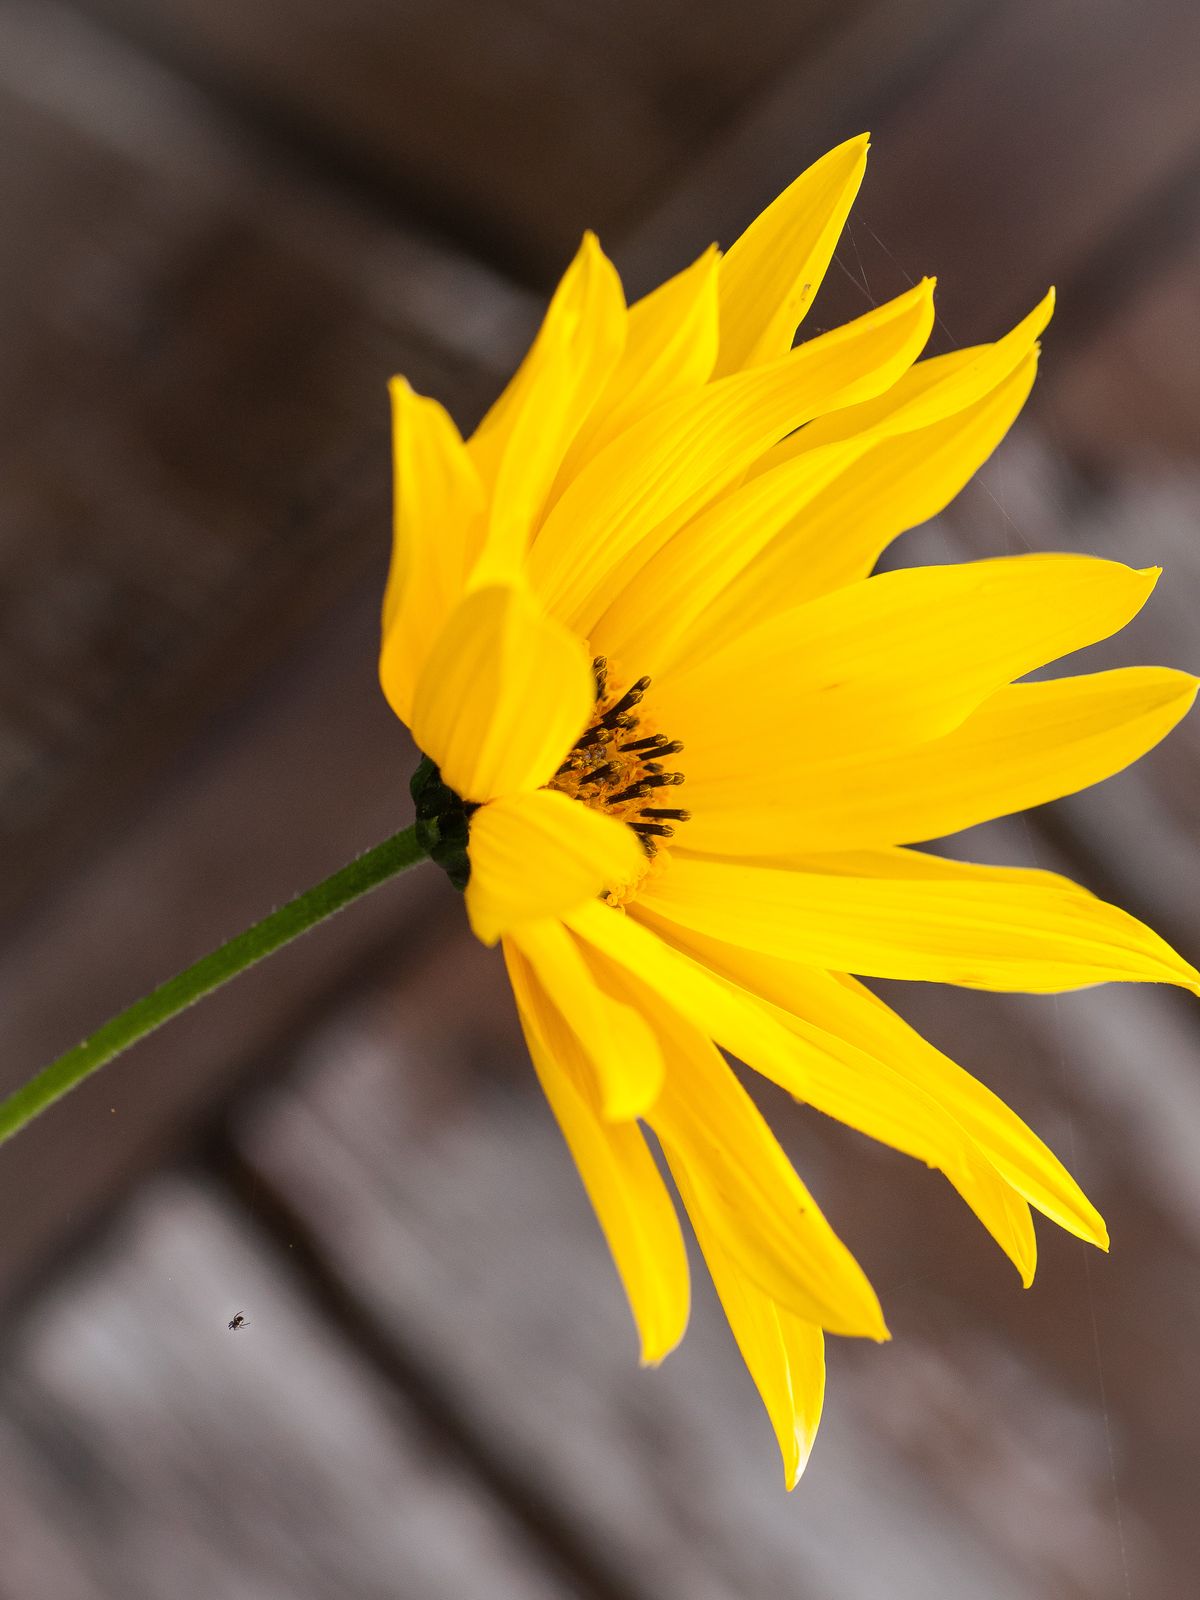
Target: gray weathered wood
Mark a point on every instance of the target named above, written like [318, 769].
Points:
[150, 1451]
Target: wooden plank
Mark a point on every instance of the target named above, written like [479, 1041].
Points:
[516, 125]
[151, 1451]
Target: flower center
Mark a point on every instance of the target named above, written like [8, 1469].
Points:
[617, 764]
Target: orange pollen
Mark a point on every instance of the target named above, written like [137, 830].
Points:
[617, 764]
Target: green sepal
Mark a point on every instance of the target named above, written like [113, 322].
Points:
[443, 822]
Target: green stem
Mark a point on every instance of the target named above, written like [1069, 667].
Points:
[366, 872]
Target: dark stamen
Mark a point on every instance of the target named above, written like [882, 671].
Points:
[616, 753]
[600, 773]
[612, 717]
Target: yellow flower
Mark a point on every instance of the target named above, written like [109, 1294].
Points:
[687, 741]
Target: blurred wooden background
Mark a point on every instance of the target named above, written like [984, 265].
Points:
[225, 226]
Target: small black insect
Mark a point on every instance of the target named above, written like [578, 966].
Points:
[238, 1322]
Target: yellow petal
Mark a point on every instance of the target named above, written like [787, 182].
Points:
[784, 1355]
[898, 483]
[618, 1172]
[986, 932]
[745, 1010]
[769, 277]
[621, 1048]
[518, 447]
[930, 391]
[897, 861]
[896, 660]
[670, 348]
[538, 854]
[651, 621]
[1026, 744]
[633, 495]
[438, 524]
[1015, 1151]
[765, 1217]
[759, 1209]
[503, 695]
[873, 1036]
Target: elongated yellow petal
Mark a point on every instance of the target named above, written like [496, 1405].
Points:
[537, 855]
[894, 661]
[438, 522]
[930, 391]
[992, 933]
[844, 1009]
[503, 695]
[634, 494]
[758, 1207]
[809, 1062]
[652, 620]
[769, 277]
[621, 1048]
[896, 484]
[670, 348]
[518, 447]
[1026, 744]
[1033, 1170]
[618, 1172]
[785, 1356]
[917, 866]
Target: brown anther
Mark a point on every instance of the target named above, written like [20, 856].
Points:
[615, 765]
[635, 791]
